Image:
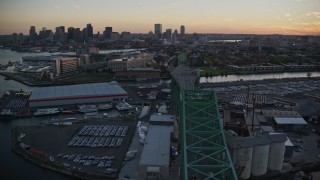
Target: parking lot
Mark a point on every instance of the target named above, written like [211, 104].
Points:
[278, 89]
[99, 136]
[96, 147]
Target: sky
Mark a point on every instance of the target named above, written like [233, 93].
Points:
[139, 16]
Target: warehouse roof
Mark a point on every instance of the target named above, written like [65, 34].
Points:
[236, 142]
[162, 118]
[290, 120]
[78, 90]
[156, 150]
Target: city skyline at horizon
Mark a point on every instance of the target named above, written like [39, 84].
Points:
[288, 17]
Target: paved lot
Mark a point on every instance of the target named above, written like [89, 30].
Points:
[309, 150]
[54, 140]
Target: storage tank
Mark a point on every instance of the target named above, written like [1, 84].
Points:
[276, 156]
[260, 157]
[244, 159]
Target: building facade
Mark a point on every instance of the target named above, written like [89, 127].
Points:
[129, 63]
[107, 32]
[54, 96]
[158, 30]
[64, 66]
[182, 30]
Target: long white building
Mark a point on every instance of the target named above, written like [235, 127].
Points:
[77, 94]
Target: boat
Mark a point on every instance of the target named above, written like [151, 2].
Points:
[62, 123]
[105, 115]
[70, 119]
[68, 111]
[51, 158]
[91, 114]
[87, 108]
[66, 164]
[6, 114]
[102, 107]
[122, 106]
[47, 111]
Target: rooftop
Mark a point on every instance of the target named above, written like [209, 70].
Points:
[78, 90]
[290, 120]
[277, 113]
[236, 142]
[156, 150]
[162, 118]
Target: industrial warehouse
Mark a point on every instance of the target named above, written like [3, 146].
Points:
[77, 94]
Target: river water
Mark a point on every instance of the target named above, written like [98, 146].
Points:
[249, 77]
[13, 166]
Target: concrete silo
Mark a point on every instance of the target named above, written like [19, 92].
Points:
[260, 157]
[276, 156]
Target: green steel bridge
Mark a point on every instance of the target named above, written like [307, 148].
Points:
[204, 149]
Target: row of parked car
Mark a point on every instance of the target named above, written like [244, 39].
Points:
[103, 130]
[100, 162]
[95, 142]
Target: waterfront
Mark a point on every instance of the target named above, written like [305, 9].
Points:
[11, 162]
[7, 85]
[252, 77]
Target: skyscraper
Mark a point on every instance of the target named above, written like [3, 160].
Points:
[174, 35]
[60, 33]
[77, 35]
[158, 30]
[71, 33]
[169, 35]
[107, 32]
[90, 31]
[85, 34]
[182, 30]
[32, 33]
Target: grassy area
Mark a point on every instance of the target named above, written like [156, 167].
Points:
[214, 72]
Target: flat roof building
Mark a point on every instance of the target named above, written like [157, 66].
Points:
[290, 124]
[163, 119]
[77, 94]
[139, 61]
[156, 152]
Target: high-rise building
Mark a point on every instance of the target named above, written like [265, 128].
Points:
[126, 35]
[169, 35]
[90, 31]
[71, 33]
[158, 30]
[46, 35]
[60, 33]
[32, 33]
[107, 32]
[114, 36]
[182, 30]
[174, 35]
[85, 34]
[77, 35]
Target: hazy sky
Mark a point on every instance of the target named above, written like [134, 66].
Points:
[202, 16]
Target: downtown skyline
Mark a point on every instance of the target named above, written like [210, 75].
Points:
[297, 17]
